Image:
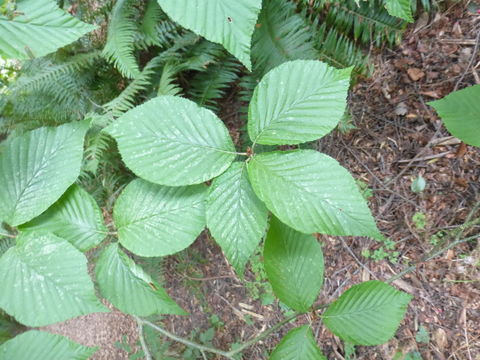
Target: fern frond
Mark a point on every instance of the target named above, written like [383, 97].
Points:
[126, 100]
[167, 85]
[366, 22]
[200, 56]
[51, 73]
[156, 28]
[209, 86]
[339, 51]
[281, 35]
[120, 45]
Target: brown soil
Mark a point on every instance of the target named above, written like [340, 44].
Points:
[398, 137]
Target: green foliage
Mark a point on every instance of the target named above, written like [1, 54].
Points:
[37, 28]
[294, 265]
[55, 285]
[299, 182]
[309, 102]
[150, 218]
[298, 344]
[41, 345]
[119, 277]
[460, 111]
[418, 184]
[192, 145]
[119, 47]
[24, 175]
[422, 335]
[236, 218]
[228, 23]
[419, 220]
[136, 124]
[75, 217]
[367, 314]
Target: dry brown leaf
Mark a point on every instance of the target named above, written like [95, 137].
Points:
[415, 74]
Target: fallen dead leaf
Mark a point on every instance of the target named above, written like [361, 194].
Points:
[440, 338]
[415, 74]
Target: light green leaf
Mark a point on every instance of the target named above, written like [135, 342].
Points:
[37, 168]
[156, 220]
[45, 280]
[172, 141]
[400, 8]
[230, 23]
[298, 344]
[129, 288]
[460, 111]
[367, 314]
[236, 217]
[75, 217]
[294, 265]
[311, 192]
[40, 345]
[298, 101]
[38, 28]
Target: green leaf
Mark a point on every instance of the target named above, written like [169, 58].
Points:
[460, 111]
[367, 314]
[172, 141]
[37, 168]
[40, 345]
[156, 220]
[120, 45]
[236, 218]
[230, 23]
[311, 192]
[298, 344]
[129, 288]
[400, 8]
[45, 280]
[298, 101]
[294, 265]
[282, 35]
[75, 217]
[38, 28]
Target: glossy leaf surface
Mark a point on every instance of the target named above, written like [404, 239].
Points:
[294, 265]
[367, 314]
[37, 168]
[298, 344]
[172, 141]
[156, 220]
[460, 111]
[298, 101]
[45, 280]
[75, 217]
[129, 288]
[230, 23]
[40, 345]
[311, 192]
[39, 28]
[236, 218]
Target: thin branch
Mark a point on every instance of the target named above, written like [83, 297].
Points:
[264, 334]
[229, 354]
[187, 342]
[7, 236]
[146, 352]
[429, 257]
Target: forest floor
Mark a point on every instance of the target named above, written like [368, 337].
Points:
[397, 138]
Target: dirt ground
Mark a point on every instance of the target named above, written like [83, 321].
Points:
[398, 137]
